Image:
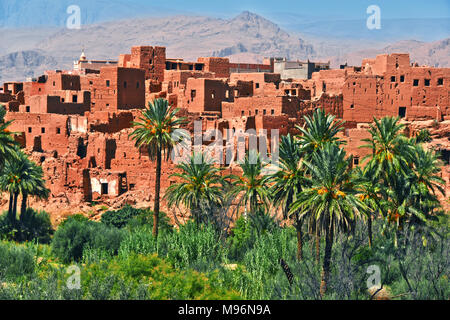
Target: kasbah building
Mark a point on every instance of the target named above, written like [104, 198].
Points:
[76, 123]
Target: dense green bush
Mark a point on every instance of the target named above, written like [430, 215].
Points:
[77, 217]
[7, 230]
[198, 247]
[426, 266]
[192, 246]
[35, 226]
[131, 217]
[15, 261]
[162, 279]
[74, 236]
[135, 277]
[141, 241]
[241, 238]
[247, 230]
[31, 226]
[120, 218]
[169, 267]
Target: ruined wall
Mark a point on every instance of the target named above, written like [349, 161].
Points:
[267, 66]
[397, 93]
[42, 131]
[61, 81]
[131, 89]
[386, 63]
[353, 138]
[219, 66]
[274, 106]
[264, 84]
[151, 59]
[176, 80]
[361, 98]
[116, 88]
[203, 95]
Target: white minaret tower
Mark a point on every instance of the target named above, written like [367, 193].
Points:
[77, 64]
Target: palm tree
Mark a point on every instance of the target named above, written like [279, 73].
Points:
[22, 176]
[7, 143]
[288, 182]
[251, 188]
[400, 204]
[37, 183]
[369, 190]
[391, 150]
[411, 199]
[331, 200]
[154, 131]
[427, 170]
[408, 173]
[320, 129]
[200, 186]
[422, 136]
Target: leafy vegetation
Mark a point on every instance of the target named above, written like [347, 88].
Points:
[337, 223]
[75, 236]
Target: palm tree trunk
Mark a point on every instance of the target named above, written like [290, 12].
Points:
[326, 260]
[157, 192]
[196, 215]
[10, 209]
[396, 236]
[317, 245]
[298, 226]
[369, 230]
[14, 213]
[23, 206]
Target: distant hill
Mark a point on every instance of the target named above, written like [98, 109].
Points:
[435, 54]
[22, 64]
[186, 37]
[247, 37]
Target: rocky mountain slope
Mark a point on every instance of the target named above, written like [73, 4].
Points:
[247, 37]
[22, 64]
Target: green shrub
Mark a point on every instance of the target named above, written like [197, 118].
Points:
[140, 241]
[15, 261]
[145, 219]
[7, 230]
[120, 218]
[74, 236]
[134, 218]
[198, 247]
[162, 280]
[31, 226]
[246, 231]
[192, 246]
[135, 277]
[77, 217]
[241, 238]
[35, 226]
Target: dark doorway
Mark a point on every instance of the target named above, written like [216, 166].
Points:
[445, 156]
[110, 152]
[402, 112]
[104, 188]
[37, 144]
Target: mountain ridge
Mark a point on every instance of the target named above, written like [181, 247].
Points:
[247, 35]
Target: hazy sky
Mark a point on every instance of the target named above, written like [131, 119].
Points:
[53, 12]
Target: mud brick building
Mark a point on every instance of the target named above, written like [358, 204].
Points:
[75, 123]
